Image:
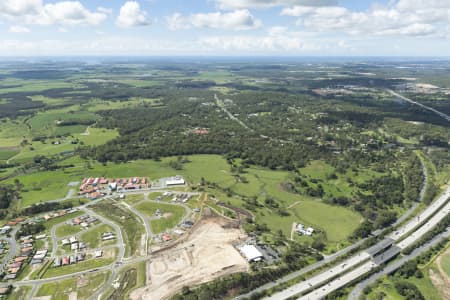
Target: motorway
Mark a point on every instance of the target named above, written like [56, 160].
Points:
[427, 213]
[365, 261]
[322, 277]
[356, 292]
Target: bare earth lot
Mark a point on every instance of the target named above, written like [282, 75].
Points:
[205, 255]
[440, 279]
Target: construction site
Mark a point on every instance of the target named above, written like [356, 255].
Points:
[206, 253]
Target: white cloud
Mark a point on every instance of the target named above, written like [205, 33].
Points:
[105, 10]
[17, 8]
[60, 13]
[239, 4]
[403, 17]
[18, 29]
[68, 13]
[131, 15]
[177, 22]
[236, 20]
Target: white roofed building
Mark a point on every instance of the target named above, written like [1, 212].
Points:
[177, 180]
[251, 253]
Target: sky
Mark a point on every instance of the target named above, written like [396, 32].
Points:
[225, 28]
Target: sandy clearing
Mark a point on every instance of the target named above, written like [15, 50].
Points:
[206, 254]
[440, 280]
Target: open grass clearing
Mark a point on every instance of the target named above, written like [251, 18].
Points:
[131, 228]
[83, 286]
[79, 267]
[19, 293]
[171, 215]
[134, 198]
[68, 229]
[445, 264]
[6, 154]
[93, 237]
[94, 282]
[56, 146]
[131, 278]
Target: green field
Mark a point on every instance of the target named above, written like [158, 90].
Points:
[93, 236]
[62, 288]
[131, 278]
[336, 222]
[6, 154]
[68, 229]
[58, 289]
[445, 263]
[19, 293]
[172, 215]
[81, 266]
[133, 199]
[97, 136]
[52, 222]
[131, 228]
[95, 281]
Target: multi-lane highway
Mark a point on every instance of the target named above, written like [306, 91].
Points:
[356, 292]
[360, 264]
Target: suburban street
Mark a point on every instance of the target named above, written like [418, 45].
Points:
[12, 247]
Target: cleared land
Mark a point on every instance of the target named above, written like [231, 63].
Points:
[171, 215]
[206, 254]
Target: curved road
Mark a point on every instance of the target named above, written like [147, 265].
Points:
[12, 247]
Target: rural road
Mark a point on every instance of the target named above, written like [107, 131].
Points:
[441, 114]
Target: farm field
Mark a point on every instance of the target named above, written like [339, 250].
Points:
[64, 145]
